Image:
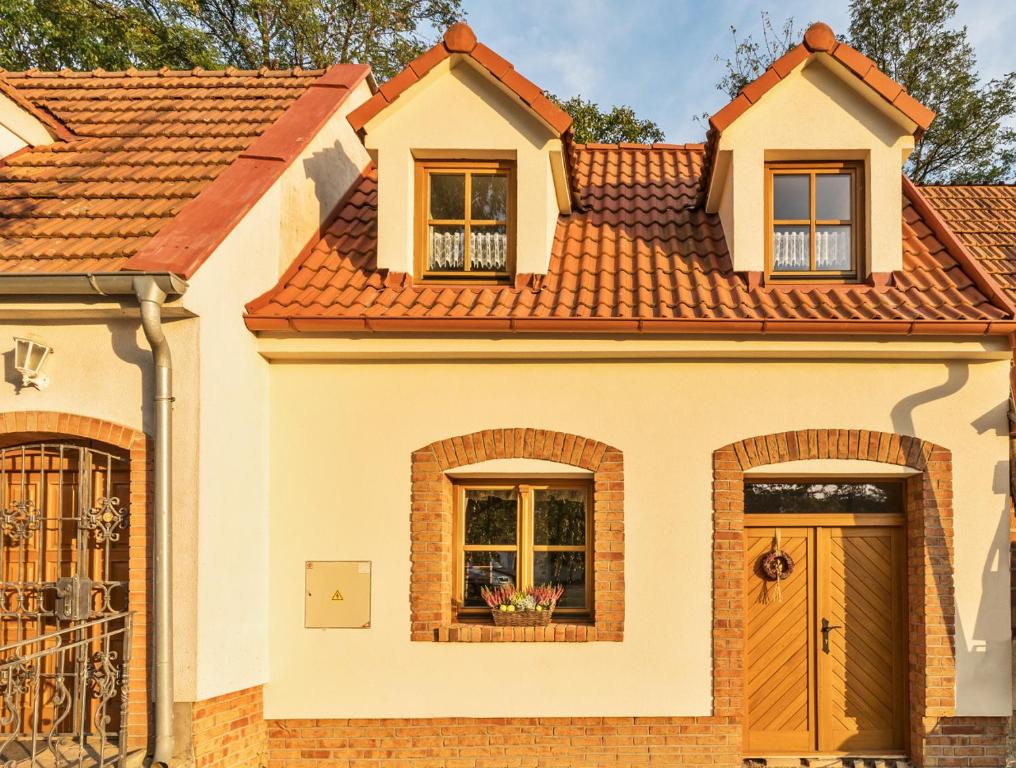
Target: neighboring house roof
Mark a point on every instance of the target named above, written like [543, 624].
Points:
[983, 218]
[140, 146]
[642, 256]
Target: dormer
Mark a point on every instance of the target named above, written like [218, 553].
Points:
[23, 125]
[472, 166]
[806, 166]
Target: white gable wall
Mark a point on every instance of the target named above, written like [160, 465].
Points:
[231, 583]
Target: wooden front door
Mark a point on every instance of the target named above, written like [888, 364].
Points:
[825, 661]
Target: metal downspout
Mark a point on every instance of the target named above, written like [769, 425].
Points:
[150, 298]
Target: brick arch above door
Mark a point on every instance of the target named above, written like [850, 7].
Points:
[930, 591]
[39, 426]
[431, 523]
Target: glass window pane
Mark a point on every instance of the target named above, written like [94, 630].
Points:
[448, 196]
[491, 517]
[832, 196]
[559, 516]
[488, 248]
[490, 197]
[791, 196]
[486, 569]
[565, 568]
[832, 497]
[447, 248]
[832, 248]
[791, 248]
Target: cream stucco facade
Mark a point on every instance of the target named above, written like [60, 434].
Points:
[343, 428]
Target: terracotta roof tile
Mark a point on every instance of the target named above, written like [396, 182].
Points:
[137, 146]
[644, 251]
[984, 219]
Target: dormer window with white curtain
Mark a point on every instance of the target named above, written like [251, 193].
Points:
[465, 213]
[813, 221]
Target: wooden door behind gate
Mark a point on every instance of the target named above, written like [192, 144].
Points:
[63, 515]
[838, 691]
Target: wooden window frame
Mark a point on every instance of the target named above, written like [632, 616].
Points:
[524, 546]
[855, 169]
[424, 170]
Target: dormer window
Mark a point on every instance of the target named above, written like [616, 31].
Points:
[465, 222]
[813, 220]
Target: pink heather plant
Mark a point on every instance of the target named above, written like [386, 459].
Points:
[545, 596]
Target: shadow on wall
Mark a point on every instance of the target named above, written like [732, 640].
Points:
[986, 650]
[333, 172]
[123, 339]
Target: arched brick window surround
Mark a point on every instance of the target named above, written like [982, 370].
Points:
[432, 609]
[929, 519]
[29, 426]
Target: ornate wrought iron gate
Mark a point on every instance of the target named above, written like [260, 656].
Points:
[63, 581]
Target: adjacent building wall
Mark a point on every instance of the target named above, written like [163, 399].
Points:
[101, 368]
[342, 435]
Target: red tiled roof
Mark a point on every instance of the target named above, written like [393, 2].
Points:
[983, 218]
[643, 256]
[138, 147]
[459, 39]
[819, 38]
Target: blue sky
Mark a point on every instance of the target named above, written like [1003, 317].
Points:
[658, 55]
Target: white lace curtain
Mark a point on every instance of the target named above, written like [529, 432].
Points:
[488, 251]
[791, 250]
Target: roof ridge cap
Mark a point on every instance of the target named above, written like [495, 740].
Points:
[227, 71]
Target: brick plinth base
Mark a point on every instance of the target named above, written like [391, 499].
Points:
[228, 731]
[505, 743]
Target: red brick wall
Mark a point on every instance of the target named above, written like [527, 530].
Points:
[229, 731]
[586, 742]
[432, 608]
[26, 426]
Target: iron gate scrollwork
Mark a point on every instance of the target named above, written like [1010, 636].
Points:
[64, 625]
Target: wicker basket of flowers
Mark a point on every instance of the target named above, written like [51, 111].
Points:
[531, 607]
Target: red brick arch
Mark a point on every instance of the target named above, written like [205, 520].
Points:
[432, 611]
[30, 426]
[934, 732]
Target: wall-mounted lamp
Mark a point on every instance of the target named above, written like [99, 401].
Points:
[29, 358]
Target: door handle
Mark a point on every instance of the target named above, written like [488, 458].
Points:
[826, 628]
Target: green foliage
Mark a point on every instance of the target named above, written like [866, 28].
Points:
[911, 41]
[386, 34]
[114, 34]
[84, 34]
[971, 140]
[620, 124]
[751, 56]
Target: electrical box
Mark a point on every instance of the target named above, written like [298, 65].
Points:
[337, 594]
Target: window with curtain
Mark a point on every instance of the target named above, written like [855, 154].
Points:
[813, 220]
[464, 227]
[523, 533]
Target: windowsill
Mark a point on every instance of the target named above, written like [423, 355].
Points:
[468, 630]
[464, 282]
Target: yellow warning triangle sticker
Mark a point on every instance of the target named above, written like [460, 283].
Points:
[337, 595]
